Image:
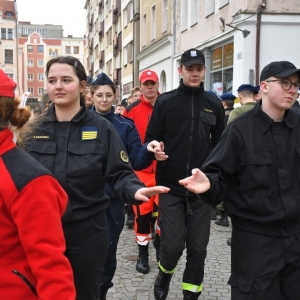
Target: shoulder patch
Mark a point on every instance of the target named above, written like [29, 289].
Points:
[124, 156]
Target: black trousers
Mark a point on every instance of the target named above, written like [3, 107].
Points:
[87, 244]
[115, 219]
[264, 267]
[181, 228]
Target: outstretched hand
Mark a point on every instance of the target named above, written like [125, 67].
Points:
[158, 149]
[143, 194]
[197, 183]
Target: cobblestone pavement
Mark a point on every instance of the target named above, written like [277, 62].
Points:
[131, 285]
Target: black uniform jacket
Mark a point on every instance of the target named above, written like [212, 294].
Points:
[256, 164]
[83, 154]
[189, 122]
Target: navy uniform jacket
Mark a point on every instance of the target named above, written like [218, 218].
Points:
[139, 157]
[83, 154]
[190, 122]
[256, 164]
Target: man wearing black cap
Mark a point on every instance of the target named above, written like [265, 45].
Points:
[188, 122]
[257, 165]
[246, 93]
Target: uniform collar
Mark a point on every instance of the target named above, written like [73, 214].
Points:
[264, 121]
[51, 116]
[190, 91]
[109, 116]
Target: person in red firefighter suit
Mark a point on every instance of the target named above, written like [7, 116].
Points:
[84, 152]
[255, 168]
[189, 122]
[33, 265]
[140, 112]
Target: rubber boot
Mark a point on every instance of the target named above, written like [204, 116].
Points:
[102, 294]
[187, 295]
[161, 285]
[142, 263]
[223, 221]
[130, 216]
[156, 245]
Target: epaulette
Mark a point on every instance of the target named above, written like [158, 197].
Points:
[125, 117]
[166, 93]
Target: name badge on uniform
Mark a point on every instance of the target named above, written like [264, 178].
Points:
[89, 133]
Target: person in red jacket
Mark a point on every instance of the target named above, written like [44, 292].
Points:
[140, 112]
[33, 265]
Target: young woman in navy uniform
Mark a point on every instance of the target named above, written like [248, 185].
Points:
[83, 151]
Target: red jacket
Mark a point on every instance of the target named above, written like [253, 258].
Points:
[140, 112]
[32, 243]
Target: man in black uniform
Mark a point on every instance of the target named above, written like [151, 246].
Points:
[256, 165]
[228, 103]
[189, 122]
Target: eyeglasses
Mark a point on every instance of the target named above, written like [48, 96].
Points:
[286, 84]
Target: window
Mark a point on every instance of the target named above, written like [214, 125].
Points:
[40, 63]
[10, 34]
[10, 75]
[221, 74]
[68, 50]
[41, 77]
[130, 52]
[30, 90]
[3, 33]
[125, 56]
[44, 31]
[153, 23]
[144, 30]
[130, 11]
[210, 7]
[30, 77]
[41, 91]
[40, 49]
[109, 67]
[194, 12]
[29, 48]
[165, 16]
[9, 56]
[125, 16]
[223, 3]
[76, 50]
[184, 14]
[30, 62]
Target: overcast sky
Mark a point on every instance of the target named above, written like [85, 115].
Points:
[68, 13]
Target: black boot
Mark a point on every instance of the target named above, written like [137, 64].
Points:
[161, 285]
[156, 244]
[187, 295]
[102, 294]
[142, 263]
[223, 221]
[130, 216]
[214, 213]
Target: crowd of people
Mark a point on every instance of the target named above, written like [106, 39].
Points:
[169, 161]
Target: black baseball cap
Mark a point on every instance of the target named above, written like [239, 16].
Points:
[192, 57]
[278, 69]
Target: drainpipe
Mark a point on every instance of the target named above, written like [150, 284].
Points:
[260, 9]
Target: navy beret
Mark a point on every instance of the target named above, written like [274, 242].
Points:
[212, 93]
[102, 79]
[227, 97]
[247, 87]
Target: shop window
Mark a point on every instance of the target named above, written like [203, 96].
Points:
[221, 75]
